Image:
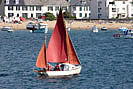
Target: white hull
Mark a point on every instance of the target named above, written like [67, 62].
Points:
[73, 71]
[95, 30]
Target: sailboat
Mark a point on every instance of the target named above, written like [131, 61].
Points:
[60, 50]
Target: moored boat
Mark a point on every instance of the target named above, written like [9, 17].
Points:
[61, 51]
[104, 29]
[94, 28]
[37, 27]
[123, 28]
[124, 34]
[7, 28]
[40, 28]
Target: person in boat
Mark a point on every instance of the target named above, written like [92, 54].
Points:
[49, 67]
[62, 66]
[57, 68]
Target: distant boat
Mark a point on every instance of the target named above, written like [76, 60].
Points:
[60, 50]
[94, 29]
[123, 28]
[104, 29]
[68, 28]
[128, 34]
[37, 28]
[7, 28]
[40, 28]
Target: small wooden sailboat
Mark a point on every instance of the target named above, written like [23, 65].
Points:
[60, 50]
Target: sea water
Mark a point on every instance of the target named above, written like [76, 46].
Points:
[107, 63]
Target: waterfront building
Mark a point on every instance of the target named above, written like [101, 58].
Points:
[108, 9]
[80, 9]
[31, 8]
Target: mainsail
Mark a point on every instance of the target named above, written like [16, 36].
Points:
[57, 48]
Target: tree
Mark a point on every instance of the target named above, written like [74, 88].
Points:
[68, 15]
[49, 16]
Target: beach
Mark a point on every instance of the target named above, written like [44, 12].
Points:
[76, 25]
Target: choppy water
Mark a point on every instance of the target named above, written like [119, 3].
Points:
[107, 63]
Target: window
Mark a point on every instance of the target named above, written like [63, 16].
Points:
[113, 9]
[74, 8]
[85, 14]
[38, 8]
[32, 15]
[64, 8]
[6, 1]
[99, 3]
[111, 2]
[31, 8]
[10, 14]
[17, 8]
[99, 10]
[24, 8]
[10, 7]
[80, 9]
[17, 15]
[80, 14]
[50, 8]
[86, 8]
[16, 1]
[123, 8]
[99, 15]
[56, 8]
[25, 15]
[123, 15]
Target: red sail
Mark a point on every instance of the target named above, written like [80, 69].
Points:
[57, 48]
[41, 60]
[73, 59]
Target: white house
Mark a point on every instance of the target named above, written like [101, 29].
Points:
[80, 9]
[107, 9]
[31, 8]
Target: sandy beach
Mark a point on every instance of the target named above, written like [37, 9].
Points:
[77, 25]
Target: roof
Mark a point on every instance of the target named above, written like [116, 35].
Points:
[55, 2]
[79, 2]
[40, 2]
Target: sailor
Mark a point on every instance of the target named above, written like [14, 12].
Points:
[57, 68]
[49, 67]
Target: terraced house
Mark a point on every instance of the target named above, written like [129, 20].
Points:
[80, 9]
[108, 9]
[31, 8]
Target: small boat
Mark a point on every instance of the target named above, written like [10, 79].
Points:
[125, 34]
[104, 29]
[31, 26]
[60, 50]
[123, 28]
[40, 28]
[7, 28]
[68, 28]
[94, 28]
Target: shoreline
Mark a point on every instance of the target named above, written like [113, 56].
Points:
[76, 25]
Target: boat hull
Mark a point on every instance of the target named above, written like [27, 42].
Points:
[76, 70]
[124, 36]
[38, 31]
